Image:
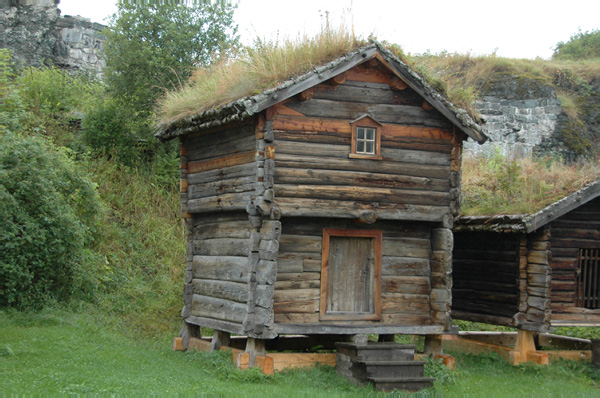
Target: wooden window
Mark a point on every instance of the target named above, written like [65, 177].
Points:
[351, 275]
[588, 279]
[366, 138]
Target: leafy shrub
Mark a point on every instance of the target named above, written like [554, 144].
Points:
[110, 129]
[581, 45]
[49, 209]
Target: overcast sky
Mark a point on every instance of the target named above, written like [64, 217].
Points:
[511, 28]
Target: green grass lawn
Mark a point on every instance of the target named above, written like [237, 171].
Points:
[57, 352]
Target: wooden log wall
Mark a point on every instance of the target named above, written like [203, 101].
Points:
[485, 277]
[406, 283]
[233, 230]
[578, 229]
[535, 276]
[417, 178]
[216, 283]
[220, 169]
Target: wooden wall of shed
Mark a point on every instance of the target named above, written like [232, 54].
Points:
[220, 169]
[485, 277]
[406, 283]
[217, 289]
[578, 229]
[417, 179]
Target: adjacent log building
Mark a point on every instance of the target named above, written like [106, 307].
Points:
[531, 271]
[323, 205]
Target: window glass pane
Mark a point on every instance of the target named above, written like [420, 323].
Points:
[369, 134]
[370, 147]
[360, 133]
[360, 146]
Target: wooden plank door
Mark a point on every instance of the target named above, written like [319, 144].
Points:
[350, 277]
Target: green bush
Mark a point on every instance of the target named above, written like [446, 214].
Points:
[49, 212]
[581, 45]
[109, 128]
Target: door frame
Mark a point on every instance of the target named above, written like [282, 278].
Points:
[377, 237]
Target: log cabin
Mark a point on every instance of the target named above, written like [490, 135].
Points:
[324, 205]
[533, 271]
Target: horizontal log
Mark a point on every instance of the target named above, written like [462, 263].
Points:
[224, 186]
[210, 307]
[231, 291]
[222, 247]
[216, 324]
[226, 229]
[406, 247]
[406, 285]
[231, 172]
[301, 318]
[404, 266]
[475, 317]
[383, 113]
[234, 269]
[198, 142]
[391, 228]
[296, 306]
[215, 147]
[363, 328]
[364, 194]
[304, 276]
[399, 303]
[230, 202]
[372, 93]
[300, 243]
[406, 319]
[304, 207]
[291, 285]
[221, 162]
[286, 175]
[563, 263]
[364, 165]
[577, 243]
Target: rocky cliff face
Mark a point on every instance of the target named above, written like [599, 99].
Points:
[524, 117]
[38, 35]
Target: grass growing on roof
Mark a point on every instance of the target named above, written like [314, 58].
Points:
[497, 185]
[263, 66]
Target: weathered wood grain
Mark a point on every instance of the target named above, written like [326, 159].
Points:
[216, 308]
[285, 175]
[231, 291]
[384, 113]
[224, 173]
[225, 186]
[227, 202]
[327, 163]
[303, 207]
[222, 247]
[234, 269]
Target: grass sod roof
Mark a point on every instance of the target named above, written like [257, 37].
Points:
[521, 195]
[181, 114]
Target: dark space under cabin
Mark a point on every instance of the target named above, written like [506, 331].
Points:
[323, 206]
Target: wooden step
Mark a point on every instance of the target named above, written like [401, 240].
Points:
[406, 384]
[394, 369]
[376, 351]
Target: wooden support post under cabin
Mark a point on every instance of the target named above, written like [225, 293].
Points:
[255, 347]
[525, 350]
[220, 339]
[386, 337]
[188, 331]
[433, 345]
